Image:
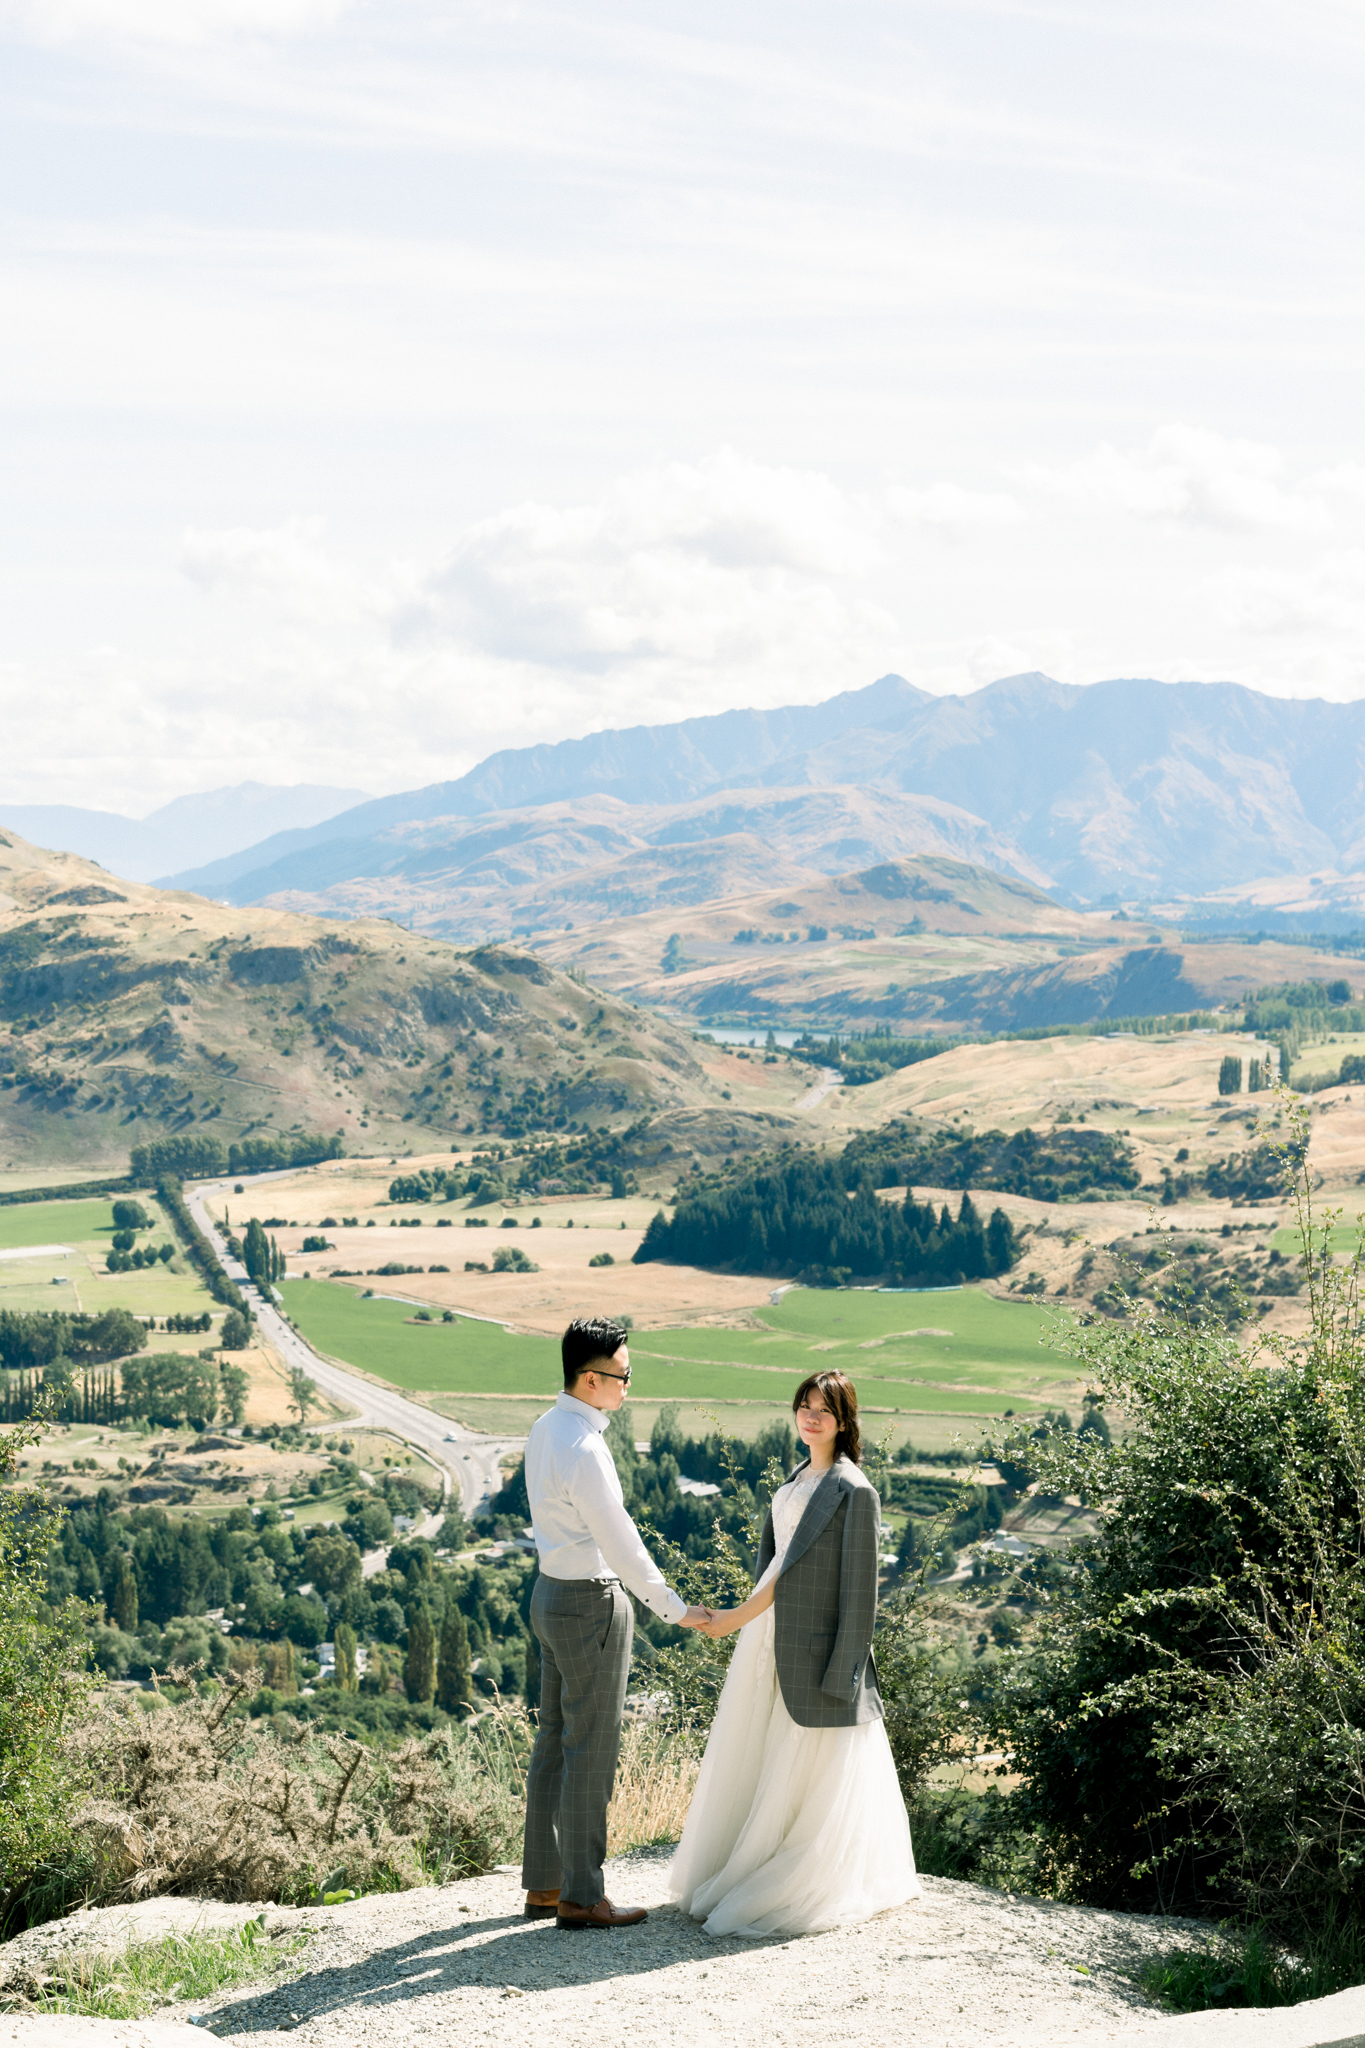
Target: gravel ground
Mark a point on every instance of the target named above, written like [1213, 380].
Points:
[958, 1968]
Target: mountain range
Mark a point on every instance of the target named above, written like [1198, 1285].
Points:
[1122, 789]
[212, 823]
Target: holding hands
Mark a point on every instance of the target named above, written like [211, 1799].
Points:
[714, 1621]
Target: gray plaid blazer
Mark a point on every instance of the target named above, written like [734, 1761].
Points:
[825, 1603]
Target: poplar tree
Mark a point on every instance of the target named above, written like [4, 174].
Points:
[454, 1686]
[419, 1666]
[345, 1645]
[125, 1595]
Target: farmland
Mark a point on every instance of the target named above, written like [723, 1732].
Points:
[939, 1362]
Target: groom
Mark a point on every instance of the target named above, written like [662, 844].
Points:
[583, 1622]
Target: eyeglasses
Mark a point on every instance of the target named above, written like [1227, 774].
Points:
[624, 1377]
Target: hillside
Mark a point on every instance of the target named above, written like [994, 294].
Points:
[130, 1012]
[1128, 786]
[522, 871]
[928, 944]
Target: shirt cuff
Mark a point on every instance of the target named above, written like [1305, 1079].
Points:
[668, 1605]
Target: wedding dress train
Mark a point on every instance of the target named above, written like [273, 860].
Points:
[791, 1830]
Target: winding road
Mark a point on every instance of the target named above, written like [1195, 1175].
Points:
[830, 1079]
[468, 1459]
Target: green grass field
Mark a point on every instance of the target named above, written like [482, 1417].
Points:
[74, 1223]
[87, 1226]
[1343, 1239]
[989, 1352]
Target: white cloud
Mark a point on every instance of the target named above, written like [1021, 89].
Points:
[286, 565]
[1187, 476]
[950, 508]
[179, 23]
[1326, 598]
[724, 562]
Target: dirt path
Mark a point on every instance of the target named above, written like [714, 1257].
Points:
[958, 1968]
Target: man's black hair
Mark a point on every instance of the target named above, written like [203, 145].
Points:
[587, 1341]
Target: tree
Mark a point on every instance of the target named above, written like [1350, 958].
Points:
[510, 1258]
[332, 1562]
[1230, 1075]
[454, 1681]
[368, 1521]
[42, 1649]
[277, 1663]
[130, 1215]
[344, 1644]
[256, 1255]
[303, 1393]
[235, 1334]
[167, 1388]
[125, 1594]
[419, 1665]
[236, 1388]
[189, 1156]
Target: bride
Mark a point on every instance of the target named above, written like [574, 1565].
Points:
[797, 1823]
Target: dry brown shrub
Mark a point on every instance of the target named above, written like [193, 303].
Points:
[195, 1799]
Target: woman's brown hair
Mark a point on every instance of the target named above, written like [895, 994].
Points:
[841, 1399]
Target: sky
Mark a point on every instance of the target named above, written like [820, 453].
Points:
[384, 382]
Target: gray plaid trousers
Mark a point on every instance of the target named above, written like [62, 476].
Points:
[584, 1628]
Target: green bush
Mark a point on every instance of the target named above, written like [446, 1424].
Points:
[1189, 1726]
[42, 1650]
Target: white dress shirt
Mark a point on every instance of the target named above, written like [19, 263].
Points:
[578, 1514]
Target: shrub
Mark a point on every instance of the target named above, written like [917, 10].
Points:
[41, 1652]
[601, 1259]
[510, 1258]
[1191, 1722]
[193, 1799]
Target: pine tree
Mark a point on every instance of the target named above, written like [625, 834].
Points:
[419, 1666]
[454, 1688]
[1000, 1250]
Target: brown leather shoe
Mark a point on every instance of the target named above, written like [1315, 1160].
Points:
[541, 1905]
[603, 1914]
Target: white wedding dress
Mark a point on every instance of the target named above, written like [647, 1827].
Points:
[791, 1830]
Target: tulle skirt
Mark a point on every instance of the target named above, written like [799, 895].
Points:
[791, 1830]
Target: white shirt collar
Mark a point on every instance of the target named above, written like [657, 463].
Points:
[571, 1405]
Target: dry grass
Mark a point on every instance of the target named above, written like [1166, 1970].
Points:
[655, 1780]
